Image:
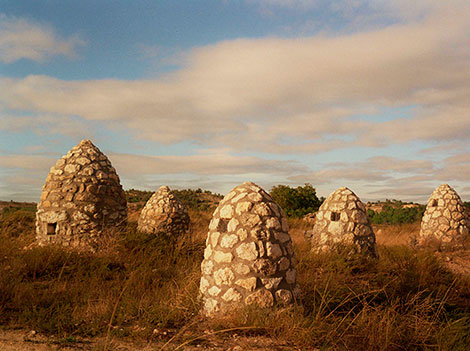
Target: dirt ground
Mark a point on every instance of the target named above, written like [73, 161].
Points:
[16, 340]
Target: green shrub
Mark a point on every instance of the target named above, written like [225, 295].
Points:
[296, 202]
[396, 215]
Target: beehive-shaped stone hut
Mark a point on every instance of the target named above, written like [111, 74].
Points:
[342, 221]
[164, 214]
[82, 197]
[249, 258]
[445, 221]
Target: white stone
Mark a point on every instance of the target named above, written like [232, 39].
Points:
[271, 283]
[273, 223]
[232, 225]
[226, 212]
[248, 283]
[208, 252]
[241, 268]
[243, 207]
[214, 223]
[231, 295]
[247, 251]
[207, 267]
[224, 276]
[229, 241]
[222, 257]
[214, 291]
[242, 234]
[203, 285]
[214, 238]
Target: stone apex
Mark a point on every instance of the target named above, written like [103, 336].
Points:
[164, 188]
[86, 142]
[444, 187]
[248, 187]
[341, 191]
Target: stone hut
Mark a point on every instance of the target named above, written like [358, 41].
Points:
[164, 214]
[81, 198]
[342, 221]
[249, 258]
[445, 221]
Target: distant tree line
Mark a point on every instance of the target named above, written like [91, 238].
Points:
[396, 214]
[196, 199]
[133, 195]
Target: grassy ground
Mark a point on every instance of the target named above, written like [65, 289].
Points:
[145, 289]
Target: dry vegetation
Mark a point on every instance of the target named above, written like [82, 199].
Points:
[145, 289]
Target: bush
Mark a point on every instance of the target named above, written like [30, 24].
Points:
[296, 202]
[396, 215]
[134, 195]
[197, 199]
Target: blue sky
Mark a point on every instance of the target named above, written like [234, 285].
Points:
[372, 95]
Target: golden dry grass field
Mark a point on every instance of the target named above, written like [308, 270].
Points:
[141, 293]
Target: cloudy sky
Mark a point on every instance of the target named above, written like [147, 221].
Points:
[373, 95]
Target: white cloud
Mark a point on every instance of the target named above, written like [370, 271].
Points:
[277, 95]
[23, 39]
[27, 162]
[285, 95]
[218, 171]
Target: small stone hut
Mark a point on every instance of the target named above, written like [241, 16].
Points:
[81, 198]
[164, 214]
[249, 258]
[342, 220]
[445, 221]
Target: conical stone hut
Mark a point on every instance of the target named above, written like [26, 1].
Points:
[81, 198]
[445, 221]
[342, 221]
[249, 258]
[164, 214]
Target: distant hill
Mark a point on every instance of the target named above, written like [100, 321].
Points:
[6, 206]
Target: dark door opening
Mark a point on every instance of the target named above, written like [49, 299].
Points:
[51, 228]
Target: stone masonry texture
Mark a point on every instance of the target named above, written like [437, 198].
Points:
[249, 257]
[445, 221]
[342, 221]
[82, 197]
[164, 214]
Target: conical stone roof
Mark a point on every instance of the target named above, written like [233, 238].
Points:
[82, 196]
[249, 258]
[164, 214]
[445, 221]
[342, 220]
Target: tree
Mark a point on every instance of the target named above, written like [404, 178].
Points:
[296, 202]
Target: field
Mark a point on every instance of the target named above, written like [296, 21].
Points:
[141, 292]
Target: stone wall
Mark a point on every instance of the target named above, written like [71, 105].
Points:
[164, 214]
[249, 258]
[445, 221]
[342, 221]
[82, 196]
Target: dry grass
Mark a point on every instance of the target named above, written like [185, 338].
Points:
[396, 234]
[146, 288]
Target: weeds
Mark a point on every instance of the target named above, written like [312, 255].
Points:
[147, 287]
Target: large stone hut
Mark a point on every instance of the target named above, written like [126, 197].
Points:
[164, 214]
[445, 221]
[82, 197]
[342, 221]
[249, 258]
